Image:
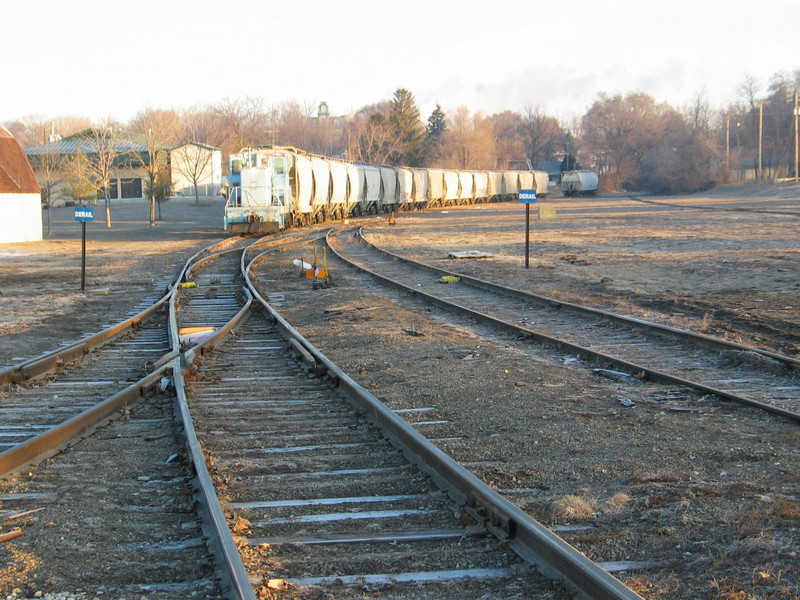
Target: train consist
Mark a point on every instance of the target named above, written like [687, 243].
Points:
[579, 183]
[275, 187]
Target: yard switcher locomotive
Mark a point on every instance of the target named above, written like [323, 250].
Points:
[275, 187]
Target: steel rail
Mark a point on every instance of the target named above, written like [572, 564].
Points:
[531, 540]
[640, 371]
[48, 362]
[41, 365]
[682, 334]
[230, 566]
[51, 441]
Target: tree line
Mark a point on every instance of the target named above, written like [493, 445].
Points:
[631, 140]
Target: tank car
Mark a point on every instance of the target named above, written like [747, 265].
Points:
[579, 183]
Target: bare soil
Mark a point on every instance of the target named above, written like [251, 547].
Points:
[716, 486]
[40, 282]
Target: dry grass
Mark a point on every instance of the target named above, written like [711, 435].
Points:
[574, 508]
[617, 503]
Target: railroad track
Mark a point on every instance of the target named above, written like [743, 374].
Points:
[323, 484]
[114, 511]
[323, 493]
[619, 347]
[112, 514]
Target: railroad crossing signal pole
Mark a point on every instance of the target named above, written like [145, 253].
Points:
[527, 197]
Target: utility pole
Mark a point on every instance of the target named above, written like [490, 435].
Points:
[795, 138]
[760, 129]
[727, 145]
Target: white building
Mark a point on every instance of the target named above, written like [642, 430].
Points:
[20, 196]
[192, 163]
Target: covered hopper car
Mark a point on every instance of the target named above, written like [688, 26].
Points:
[275, 187]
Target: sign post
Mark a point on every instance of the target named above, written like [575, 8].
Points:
[83, 214]
[527, 197]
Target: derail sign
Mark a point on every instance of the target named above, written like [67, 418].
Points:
[84, 213]
[527, 196]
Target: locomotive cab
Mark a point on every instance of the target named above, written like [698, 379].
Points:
[259, 203]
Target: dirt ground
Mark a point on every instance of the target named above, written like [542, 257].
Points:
[704, 490]
[40, 282]
[707, 480]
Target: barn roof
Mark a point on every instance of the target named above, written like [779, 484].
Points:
[87, 142]
[16, 175]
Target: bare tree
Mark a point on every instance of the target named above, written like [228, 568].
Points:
[469, 141]
[192, 160]
[618, 132]
[509, 145]
[99, 156]
[238, 123]
[77, 176]
[35, 130]
[49, 169]
[541, 134]
[370, 136]
[158, 128]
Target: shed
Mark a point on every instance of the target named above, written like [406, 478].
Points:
[20, 196]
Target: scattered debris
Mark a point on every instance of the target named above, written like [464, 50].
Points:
[615, 375]
[449, 279]
[188, 284]
[19, 515]
[572, 361]
[193, 336]
[346, 308]
[414, 332]
[625, 401]
[99, 292]
[469, 254]
[14, 533]
[241, 525]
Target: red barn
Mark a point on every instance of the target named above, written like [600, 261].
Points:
[20, 197]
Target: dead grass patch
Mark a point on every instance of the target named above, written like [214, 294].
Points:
[575, 508]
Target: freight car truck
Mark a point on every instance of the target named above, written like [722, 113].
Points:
[579, 183]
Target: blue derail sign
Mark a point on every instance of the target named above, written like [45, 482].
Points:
[84, 213]
[527, 196]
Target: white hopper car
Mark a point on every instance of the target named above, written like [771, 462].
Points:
[579, 183]
[274, 187]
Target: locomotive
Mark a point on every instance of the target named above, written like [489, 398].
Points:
[271, 188]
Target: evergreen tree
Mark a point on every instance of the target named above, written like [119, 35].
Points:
[408, 129]
[437, 123]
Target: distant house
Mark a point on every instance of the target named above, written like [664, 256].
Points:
[553, 169]
[20, 196]
[131, 175]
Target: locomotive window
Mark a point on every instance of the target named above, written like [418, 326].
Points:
[279, 164]
[236, 167]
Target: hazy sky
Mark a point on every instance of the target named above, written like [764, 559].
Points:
[99, 58]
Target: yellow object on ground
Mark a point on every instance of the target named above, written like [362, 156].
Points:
[449, 279]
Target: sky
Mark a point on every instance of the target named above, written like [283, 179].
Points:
[104, 59]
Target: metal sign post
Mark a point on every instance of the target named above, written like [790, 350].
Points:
[527, 197]
[83, 214]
